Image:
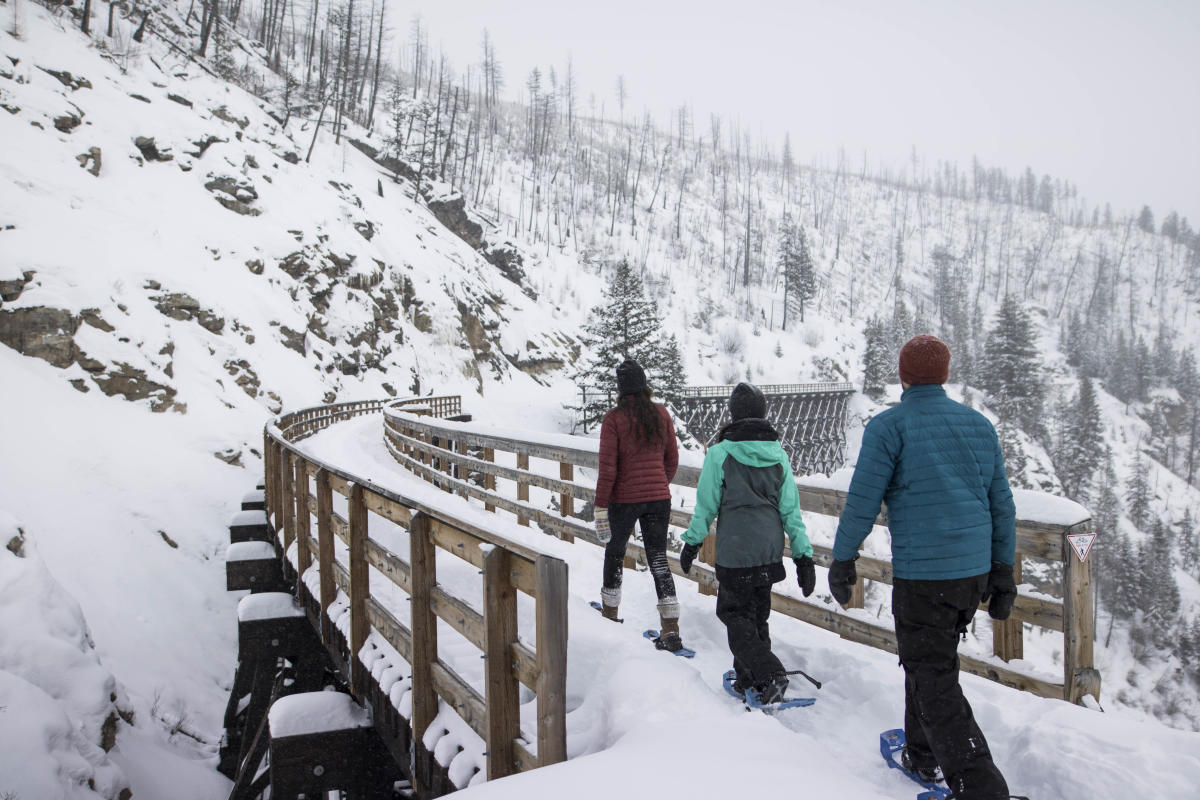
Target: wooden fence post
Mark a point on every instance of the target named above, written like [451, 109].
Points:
[289, 503]
[522, 486]
[502, 695]
[1007, 636]
[489, 481]
[566, 472]
[1079, 674]
[360, 587]
[858, 594]
[303, 525]
[325, 553]
[708, 555]
[280, 494]
[269, 486]
[460, 471]
[423, 559]
[551, 576]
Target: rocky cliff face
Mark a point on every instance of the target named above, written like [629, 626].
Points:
[207, 252]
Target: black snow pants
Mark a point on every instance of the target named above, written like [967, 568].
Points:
[653, 518]
[744, 607]
[938, 723]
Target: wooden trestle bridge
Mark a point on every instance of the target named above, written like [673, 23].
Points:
[340, 683]
[810, 418]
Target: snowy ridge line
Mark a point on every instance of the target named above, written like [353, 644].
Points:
[439, 687]
[435, 451]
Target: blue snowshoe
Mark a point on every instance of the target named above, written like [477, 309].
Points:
[753, 699]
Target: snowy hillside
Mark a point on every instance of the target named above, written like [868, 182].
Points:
[180, 258]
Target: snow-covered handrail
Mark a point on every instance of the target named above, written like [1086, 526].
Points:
[446, 453]
[300, 486]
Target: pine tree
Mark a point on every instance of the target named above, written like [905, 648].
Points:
[1189, 545]
[1160, 592]
[625, 325]
[1137, 494]
[806, 275]
[789, 257]
[672, 378]
[877, 365]
[1011, 372]
[1141, 369]
[1082, 449]
[1015, 460]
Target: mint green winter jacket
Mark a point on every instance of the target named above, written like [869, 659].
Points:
[749, 488]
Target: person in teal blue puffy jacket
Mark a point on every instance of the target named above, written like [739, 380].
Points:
[938, 467]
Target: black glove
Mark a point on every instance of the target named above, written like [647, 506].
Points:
[806, 574]
[842, 577]
[1001, 591]
[687, 555]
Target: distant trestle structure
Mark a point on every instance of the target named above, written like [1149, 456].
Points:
[810, 418]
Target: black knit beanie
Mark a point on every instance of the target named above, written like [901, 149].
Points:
[747, 401]
[631, 378]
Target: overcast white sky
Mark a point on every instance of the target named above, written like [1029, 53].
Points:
[1103, 93]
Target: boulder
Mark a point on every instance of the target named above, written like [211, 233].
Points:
[451, 212]
[10, 290]
[41, 332]
[149, 150]
[224, 113]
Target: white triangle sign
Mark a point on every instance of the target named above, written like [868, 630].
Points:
[1081, 543]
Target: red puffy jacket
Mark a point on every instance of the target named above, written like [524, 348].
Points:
[632, 471]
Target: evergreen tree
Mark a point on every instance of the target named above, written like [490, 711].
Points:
[1141, 366]
[1120, 577]
[1189, 545]
[672, 378]
[789, 263]
[1146, 220]
[1137, 494]
[1119, 382]
[1160, 592]
[1015, 460]
[1012, 370]
[625, 325]
[1082, 449]
[1164, 356]
[877, 364]
[806, 273]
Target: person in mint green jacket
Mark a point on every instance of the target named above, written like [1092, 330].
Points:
[747, 485]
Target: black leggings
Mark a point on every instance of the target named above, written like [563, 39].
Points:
[653, 518]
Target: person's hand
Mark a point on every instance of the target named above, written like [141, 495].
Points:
[842, 577]
[687, 555]
[1001, 591]
[806, 574]
[603, 531]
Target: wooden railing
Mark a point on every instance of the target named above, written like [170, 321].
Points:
[300, 488]
[448, 454]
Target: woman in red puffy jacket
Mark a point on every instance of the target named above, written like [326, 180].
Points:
[638, 457]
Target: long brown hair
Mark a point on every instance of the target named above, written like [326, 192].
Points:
[647, 424]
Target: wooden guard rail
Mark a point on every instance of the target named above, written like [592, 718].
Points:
[299, 488]
[440, 452]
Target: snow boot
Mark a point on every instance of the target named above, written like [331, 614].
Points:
[928, 774]
[668, 632]
[773, 689]
[610, 600]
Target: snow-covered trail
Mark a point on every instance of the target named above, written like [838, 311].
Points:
[644, 721]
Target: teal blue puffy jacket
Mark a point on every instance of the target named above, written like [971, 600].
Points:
[938, 466]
